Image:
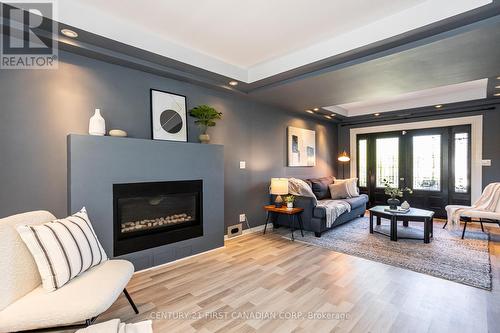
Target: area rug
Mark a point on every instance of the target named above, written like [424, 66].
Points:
[448, 257]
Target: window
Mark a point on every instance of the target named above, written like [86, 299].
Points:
[427, 162]
[362, 161]
[461, 162]
[387, 161]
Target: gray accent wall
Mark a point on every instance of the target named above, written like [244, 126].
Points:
[491, 137]
[96, 163]
[39, 108]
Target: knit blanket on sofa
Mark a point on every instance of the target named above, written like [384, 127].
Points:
[333, 209]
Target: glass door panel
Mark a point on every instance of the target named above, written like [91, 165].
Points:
[363, 162]
[427, 162]
[461, 162]
[387, 161]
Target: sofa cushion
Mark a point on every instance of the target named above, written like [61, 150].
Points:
[84, 297]
[338, 191]
[320, 187]
[355, 202]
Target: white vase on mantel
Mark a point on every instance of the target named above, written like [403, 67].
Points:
[97, 124]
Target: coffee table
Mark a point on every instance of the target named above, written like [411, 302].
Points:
[413, 215]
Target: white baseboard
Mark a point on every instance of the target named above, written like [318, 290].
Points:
[258, 228]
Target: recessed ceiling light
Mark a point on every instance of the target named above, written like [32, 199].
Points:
[497, 87]
[233, 83]
[438, 106]
[316, 109]
[376, 114]
[332, 115]
[328, 117]
[498, 77]
[496, 95]
[69, 33]
[309, 111]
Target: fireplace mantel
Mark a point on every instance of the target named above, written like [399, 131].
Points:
[95, 164]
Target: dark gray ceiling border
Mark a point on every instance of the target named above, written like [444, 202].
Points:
[394, 42]
[424, 112]
[106, 49]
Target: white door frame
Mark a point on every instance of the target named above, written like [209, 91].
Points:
[476, 122]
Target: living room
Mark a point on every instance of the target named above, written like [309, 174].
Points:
[290, 166]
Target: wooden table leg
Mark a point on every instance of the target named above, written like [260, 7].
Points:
[432, 227]
[427, 230]
[379, 222]
[371, 223]
[405, 223]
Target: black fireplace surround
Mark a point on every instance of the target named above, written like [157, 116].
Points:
[148, 215]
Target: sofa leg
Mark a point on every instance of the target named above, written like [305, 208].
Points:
[129, 299]
[317, 234]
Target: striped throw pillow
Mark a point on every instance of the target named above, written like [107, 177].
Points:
[63, 249]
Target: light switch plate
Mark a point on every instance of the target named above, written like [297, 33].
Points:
[243, 165]
[486, 162]
[243, 217]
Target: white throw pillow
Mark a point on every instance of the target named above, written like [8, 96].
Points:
[63, 249]
[351, 186]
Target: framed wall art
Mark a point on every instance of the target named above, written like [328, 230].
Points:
[301, 147]
[168, 116]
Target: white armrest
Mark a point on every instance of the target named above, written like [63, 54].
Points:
[481, 214]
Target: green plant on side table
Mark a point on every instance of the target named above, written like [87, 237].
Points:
[289, 199]
[205, 117]
[394, 192]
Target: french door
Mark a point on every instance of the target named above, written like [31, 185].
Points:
[434, 163]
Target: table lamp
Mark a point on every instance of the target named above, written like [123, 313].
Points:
[279, 187]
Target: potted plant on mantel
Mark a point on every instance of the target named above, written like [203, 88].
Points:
[205, 117]
[394, 192]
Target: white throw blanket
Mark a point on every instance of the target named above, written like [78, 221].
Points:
[488, 202]
[115, 326]
[300, 188]
[333, 209]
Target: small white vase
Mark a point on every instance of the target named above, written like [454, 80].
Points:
[405, 205]
[289, 205]
[97, 125]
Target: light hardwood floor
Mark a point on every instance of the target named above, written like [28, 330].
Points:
[268, 275]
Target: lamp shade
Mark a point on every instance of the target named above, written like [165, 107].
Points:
[344, 157]
[279, 186]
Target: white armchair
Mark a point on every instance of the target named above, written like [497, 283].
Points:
[25, 305]
[485, 210]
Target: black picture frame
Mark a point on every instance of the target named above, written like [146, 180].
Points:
[183, 137]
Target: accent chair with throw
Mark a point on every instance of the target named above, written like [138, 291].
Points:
[485, 210]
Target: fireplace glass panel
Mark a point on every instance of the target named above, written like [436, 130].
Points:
[148, 213]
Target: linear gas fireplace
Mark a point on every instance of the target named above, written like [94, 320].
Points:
[148, 215]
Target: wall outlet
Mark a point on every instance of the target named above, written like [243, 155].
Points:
[486, 162]
[234, 230]
[243, 165]
[243, 217]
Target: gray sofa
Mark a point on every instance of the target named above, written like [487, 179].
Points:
[314, 217]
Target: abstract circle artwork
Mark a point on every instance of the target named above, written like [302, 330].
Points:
[171, 121]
